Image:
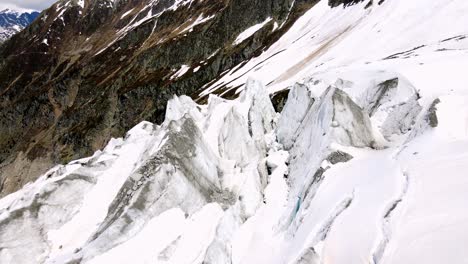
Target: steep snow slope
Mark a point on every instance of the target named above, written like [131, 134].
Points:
[366, 163]
[404, 36]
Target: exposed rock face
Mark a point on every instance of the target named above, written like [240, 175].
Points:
[279, 99]
[339, 157]
[334, 3]
[81, 74]
[432, 119]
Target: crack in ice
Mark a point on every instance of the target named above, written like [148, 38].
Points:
[379, 252]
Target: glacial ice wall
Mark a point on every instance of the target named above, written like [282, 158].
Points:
[335, 177]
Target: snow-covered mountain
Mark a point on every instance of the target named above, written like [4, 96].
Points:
[13, 21]
[365, 163]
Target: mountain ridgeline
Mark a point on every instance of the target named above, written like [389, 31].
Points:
[87, 71]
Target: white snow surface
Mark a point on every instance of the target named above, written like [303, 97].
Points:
[363, 165]
[334, 40]
[250, 31]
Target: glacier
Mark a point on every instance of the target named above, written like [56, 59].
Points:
[235, 182]
[366, 163]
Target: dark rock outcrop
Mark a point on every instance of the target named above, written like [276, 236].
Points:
[335, 3]
[431, 117]
[279, 99]
[339, 157]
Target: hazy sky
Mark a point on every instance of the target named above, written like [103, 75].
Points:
[26, 4]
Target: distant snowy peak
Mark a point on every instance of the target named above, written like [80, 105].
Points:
[10, 17]
[13, 21]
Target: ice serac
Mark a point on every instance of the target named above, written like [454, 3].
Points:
[214, 184]
[297, 106]
[349, 167]
[333, 115]
[182, 173]
[119, 192]
[333, 118]
[24, 223]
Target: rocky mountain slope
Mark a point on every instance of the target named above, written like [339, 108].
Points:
[89, 70]
[12, 22]
[365, 162]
